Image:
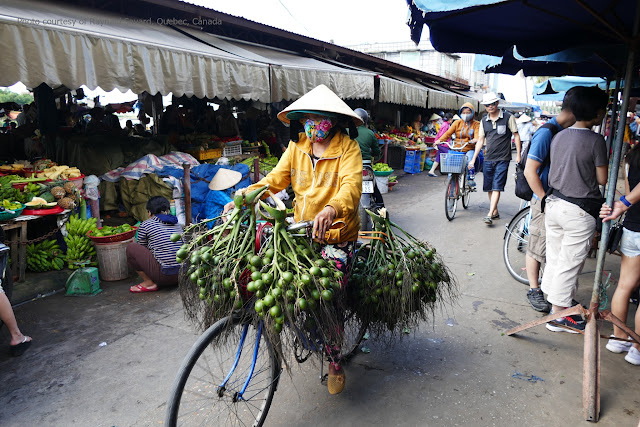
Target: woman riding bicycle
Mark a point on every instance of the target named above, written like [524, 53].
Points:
[324, 167]
[465, 131]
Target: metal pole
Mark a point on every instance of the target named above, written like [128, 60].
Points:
[187, 192]
[591, 371]
[603, 127]
[614, 116]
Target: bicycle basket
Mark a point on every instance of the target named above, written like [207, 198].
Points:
[452, 162]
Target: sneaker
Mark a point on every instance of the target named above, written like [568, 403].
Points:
[617, 346]
[487, 220]
[633, 356]
[471, 183]
[573, 322]
[537, 301]
[336, 378]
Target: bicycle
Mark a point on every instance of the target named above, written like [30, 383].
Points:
[231, 373]
[516, 240]
[455, 164]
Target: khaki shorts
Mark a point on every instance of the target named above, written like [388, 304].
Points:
[537, 247]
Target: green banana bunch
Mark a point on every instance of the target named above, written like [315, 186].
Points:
[44, 256]
[79, 249]
[80, 227]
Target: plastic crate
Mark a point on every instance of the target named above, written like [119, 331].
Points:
[206, 154]
[231, 151]
[412, 161]
[452, 162]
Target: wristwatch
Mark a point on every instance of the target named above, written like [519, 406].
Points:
[625, 202]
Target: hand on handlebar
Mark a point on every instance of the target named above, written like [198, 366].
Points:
[322, 223]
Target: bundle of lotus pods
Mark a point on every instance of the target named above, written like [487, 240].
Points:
[397, 280]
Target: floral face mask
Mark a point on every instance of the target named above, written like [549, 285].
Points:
[317, 130]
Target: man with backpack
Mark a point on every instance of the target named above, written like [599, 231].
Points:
[536, 161]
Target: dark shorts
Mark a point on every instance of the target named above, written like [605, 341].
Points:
[495, 175]
[140, 258]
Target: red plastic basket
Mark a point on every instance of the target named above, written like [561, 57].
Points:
[121, 237]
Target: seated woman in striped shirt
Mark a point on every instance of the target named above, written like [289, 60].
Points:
[153, 257]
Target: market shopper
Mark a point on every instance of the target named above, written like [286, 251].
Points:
[496, 130]
[369, 148]
[630, 266]
[525, 129]
[578, 165]
[153, 257]
[19, 342]
[536, 173]
[324, 167]
[433, 126]
[446, 124]
[464, 131]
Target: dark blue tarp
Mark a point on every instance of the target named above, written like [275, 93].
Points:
[200, 177]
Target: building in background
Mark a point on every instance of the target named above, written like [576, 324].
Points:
[456, 67]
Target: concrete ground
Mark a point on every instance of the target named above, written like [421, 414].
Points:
[458, 370]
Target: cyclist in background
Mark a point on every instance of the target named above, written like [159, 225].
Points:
[369, 147]
[465, 130]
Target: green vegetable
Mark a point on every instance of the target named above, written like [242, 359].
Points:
[382, 167]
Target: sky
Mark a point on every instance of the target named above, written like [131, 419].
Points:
[343, 22]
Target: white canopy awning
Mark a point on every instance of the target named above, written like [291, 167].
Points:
[292, 75]
[66, 45]
[440, 98]
[402, 92]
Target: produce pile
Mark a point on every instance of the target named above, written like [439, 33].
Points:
[79, 246]
[382, 167]
[397, 280]
[266, 164]
[45, 256]
[111, 231]
[59, 172]
[287, 281]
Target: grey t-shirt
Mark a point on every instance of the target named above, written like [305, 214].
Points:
[575, 154]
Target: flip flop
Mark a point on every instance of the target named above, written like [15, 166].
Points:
[19, 349]
[137, 289]
[433, 175]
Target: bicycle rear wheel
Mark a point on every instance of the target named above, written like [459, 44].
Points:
[224, 355]
[514, 248]
[451, 196]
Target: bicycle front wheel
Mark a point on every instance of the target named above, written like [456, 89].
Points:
[466, 191]
[451, 196]
[514, 248]
[219, 383]
[354, 330]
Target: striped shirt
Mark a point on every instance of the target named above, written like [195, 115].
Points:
[154, 234]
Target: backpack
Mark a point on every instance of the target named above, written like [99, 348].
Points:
[523, 190]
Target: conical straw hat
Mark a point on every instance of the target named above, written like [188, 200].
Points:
[434, 116]
[225, 178]
[318, 101]
[523, 119]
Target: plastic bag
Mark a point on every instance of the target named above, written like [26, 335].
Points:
[91, 187]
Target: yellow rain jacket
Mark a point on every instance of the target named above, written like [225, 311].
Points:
[336, 181]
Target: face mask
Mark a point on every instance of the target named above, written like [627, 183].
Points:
[317, 130]
[466, 117]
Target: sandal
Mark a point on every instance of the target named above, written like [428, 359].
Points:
[19, 349]
[496, 216]
[137, 289]
[335, 379]
[487, 220]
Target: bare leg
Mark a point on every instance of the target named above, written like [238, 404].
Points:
[433, 168]
[494, 198]
[7, 316]
[533, 271]
[147, 282]
[629, 275]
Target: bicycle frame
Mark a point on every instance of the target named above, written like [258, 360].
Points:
[222, 387]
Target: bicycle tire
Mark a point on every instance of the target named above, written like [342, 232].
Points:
[354, 331]
[466, 192]
[451, 202]
[514, 248]
[191, 385]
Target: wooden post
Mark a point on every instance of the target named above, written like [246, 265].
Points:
[256, 170]
[187, 192]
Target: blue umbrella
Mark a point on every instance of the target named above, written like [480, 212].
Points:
[536, 28]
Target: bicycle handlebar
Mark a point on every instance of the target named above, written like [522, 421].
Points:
[451, 146]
